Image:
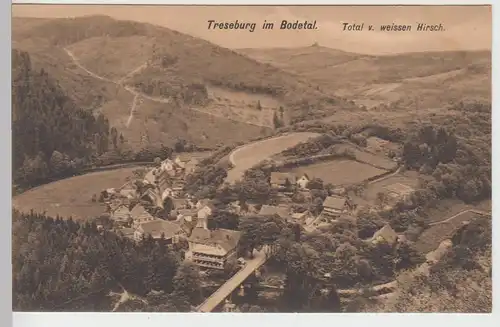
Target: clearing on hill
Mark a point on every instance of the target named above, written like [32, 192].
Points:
[98, 60]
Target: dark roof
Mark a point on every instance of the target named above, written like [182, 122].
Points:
[280, 178]
[267, 210]
[226, 238]
[159, 226]
[334, 202]
[187, 226]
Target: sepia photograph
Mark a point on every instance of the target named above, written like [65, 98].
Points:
[251, 159]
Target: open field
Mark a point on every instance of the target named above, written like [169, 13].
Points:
[377, 160]
[434, 235]
[113, 65]
[339, 172]
[72, 196]
[155, 59]
[255, 108]
[409, 83]
[249, 155]
[408, 178]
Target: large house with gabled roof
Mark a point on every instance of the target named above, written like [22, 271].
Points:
[213, 248]
[334, 206]
[158, 229]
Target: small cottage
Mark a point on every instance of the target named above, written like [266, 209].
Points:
[168, 165]
[140, 215]
[187, 214]
[120, 214]
[281, 180]
[302, 181]
[153, 197]
[268, 210]
[385, 234]
[159, 228]
[128, 190]
[181, 160]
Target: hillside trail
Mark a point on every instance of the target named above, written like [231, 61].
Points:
[133, 72]
[132, 110]
[136, 93]
[125, 296]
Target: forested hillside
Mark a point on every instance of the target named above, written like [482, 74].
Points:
[50, 133]
[63, 265]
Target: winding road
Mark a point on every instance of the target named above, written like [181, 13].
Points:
[249, 155]
[145, 96]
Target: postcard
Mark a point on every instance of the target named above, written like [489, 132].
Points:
[321, 159]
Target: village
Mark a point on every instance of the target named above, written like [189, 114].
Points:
[157, 206]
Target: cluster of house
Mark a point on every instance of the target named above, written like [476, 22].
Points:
[128, 208]
[188, 218]
[336, 207]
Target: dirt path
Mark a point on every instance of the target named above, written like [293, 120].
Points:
[145, 96]
[479, 212]
[132, 73]
[132, 110]
[124, 297]
[77, 62]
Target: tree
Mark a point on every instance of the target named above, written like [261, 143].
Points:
[114, 137]
[187, 282]
[224, 219]
[382, 198]
[368, 223]
[259, 107]
[59, 163]
[408, 256]
[276, 121]
[251, 237]
[157, 161]
[316, 206]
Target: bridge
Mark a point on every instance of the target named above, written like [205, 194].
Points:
[260, 257]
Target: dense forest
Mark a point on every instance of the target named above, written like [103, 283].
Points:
[60, 264]
[458, 168]
[54, 138]
[51, 136]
